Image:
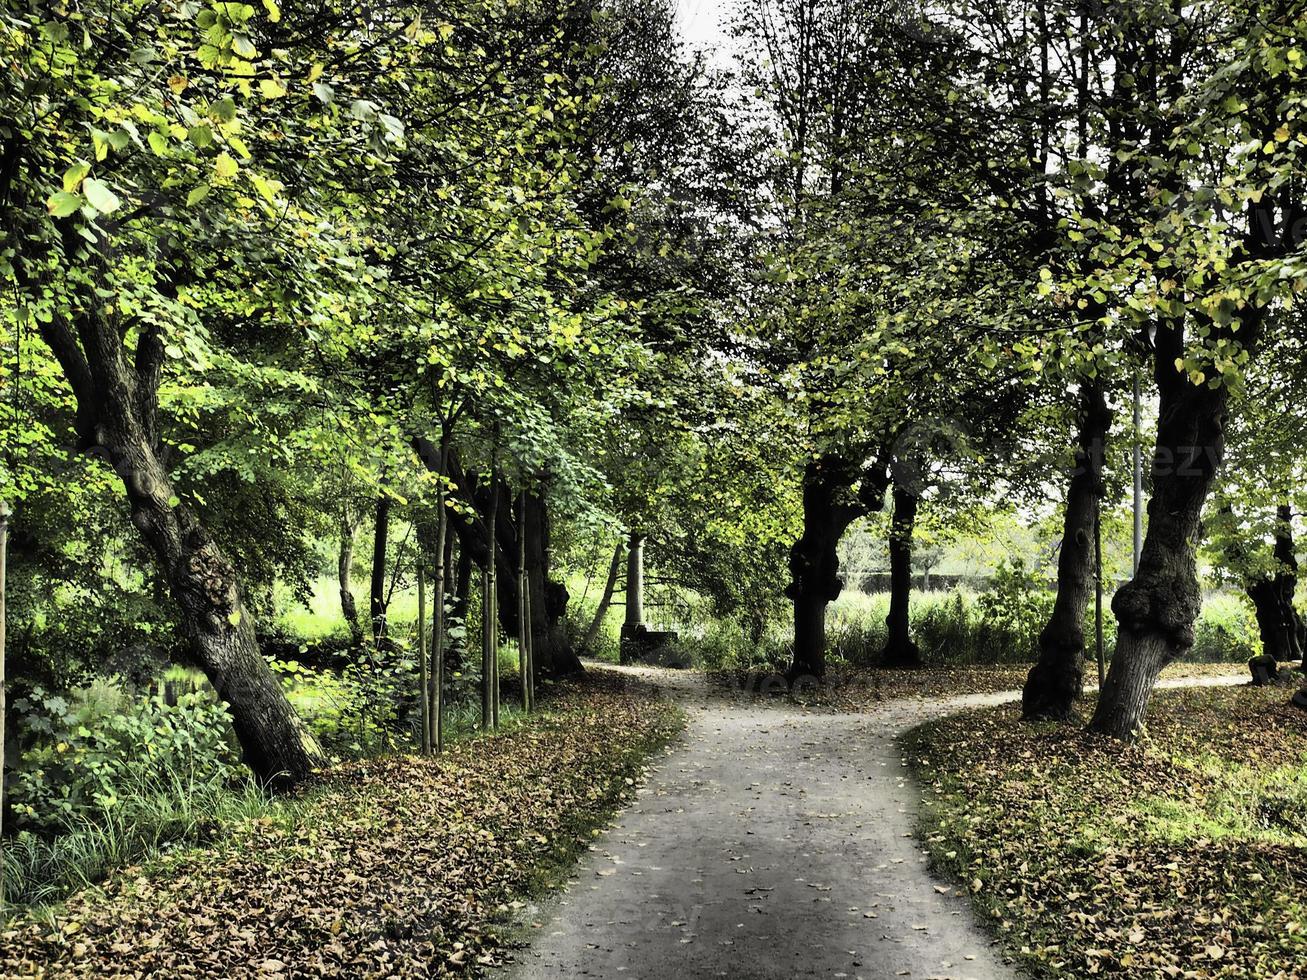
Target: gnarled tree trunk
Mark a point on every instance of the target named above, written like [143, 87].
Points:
[1155, 611]
[829, 507]
[1056, 681]
[1278, 621]
[117, 420]
[899, 650]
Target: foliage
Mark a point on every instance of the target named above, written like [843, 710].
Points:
[102, 752]
[1179, 856]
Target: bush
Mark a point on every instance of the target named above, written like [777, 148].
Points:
[1226, 631]
[90, 756]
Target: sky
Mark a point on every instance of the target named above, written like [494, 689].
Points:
[702, 22]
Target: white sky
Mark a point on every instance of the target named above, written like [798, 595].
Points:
[703, 22]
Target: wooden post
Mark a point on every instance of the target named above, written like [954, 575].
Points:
[436, 694]
[1098, 588]
[4, 544]
[424, 690]
[523, 625]
[494, 584]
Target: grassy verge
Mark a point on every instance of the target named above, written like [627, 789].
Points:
[859, 689]
[1184, 855]
[398, 866]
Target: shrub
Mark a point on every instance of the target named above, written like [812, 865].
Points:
[91, 755]
[1226, 630]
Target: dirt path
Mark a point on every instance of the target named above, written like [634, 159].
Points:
[769, 842]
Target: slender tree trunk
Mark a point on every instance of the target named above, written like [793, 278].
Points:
[899, 650]
[4, 555]
[377, 592]
[344, 568]
[1056, 681]
[494, 595]
[436, 694]
[456, 657]
[1156, 610]
[1278, 620]
[610, 586]
[424, 688]
[523, 618]
[828, 510]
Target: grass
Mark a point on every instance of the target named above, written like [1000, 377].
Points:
[154, 820]
[1181, 855]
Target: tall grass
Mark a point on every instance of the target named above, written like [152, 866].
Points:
[155, 816]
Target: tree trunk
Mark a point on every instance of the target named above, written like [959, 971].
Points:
[377, 592]
[828, 509]
[551, 652]
[1278, 621]
[610, 585]
[1056, 681]
[456, 656]
[899, 650]
[1156, 610]
[117, 419]
[344, 567]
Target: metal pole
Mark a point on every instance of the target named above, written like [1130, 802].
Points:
[4, 544]
[1139, 482]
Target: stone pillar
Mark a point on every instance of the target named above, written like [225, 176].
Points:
[635, 582]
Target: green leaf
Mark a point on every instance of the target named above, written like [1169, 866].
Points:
[99, 196]
[197, 194]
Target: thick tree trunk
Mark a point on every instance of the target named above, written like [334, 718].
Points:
[1155, 611]
[377, 590]
[344, 568]
[551, 652]
[899, 650]
[1278, 622]
[829, 507]
[1056, 681]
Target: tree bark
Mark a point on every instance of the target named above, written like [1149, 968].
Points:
[1056, 681]
[829, 507]
[610, 586]
[899, 650]
[456, 656]
[344, 568]
[117, 419]
[1278, 621]
[1156, 610]
[377, 592]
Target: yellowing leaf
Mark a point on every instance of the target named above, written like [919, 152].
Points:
[225, 167]
[270, 88]
[178, 84]
[74, 175]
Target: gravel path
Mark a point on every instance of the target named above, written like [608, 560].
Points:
[769, 842]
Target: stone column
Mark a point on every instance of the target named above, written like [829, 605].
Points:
[635, 582]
